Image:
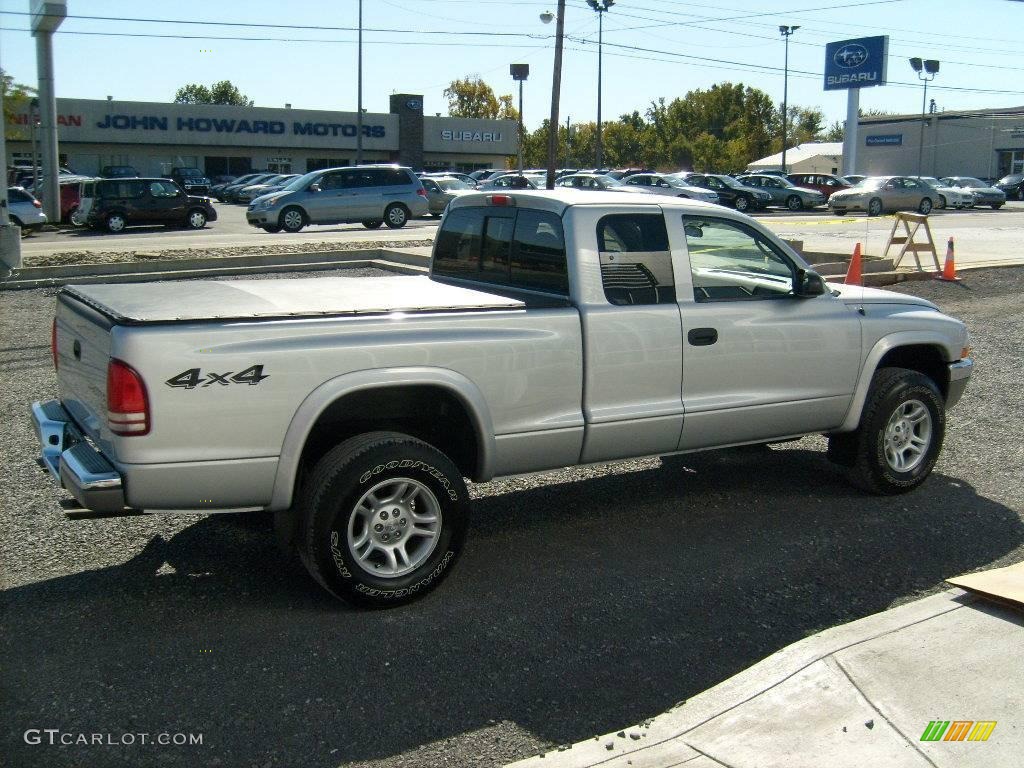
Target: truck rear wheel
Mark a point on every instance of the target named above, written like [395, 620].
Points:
[900, 434]
[383, 518]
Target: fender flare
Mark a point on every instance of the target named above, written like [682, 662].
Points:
[878, 351]
[310, 410]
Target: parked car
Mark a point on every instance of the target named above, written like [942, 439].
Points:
[252, 191]
[730, 191]
[118, 203]
[666, 184]
[464, 177]
[598, 182]
[441, 190]
[372, 194]
[24, 210]
[69, 196]
[877, 194]
[555, 329]
[118, 172]
[826, 183]
[485, 173]
[230, 193]
[1012, 186]
[984, 194]
[21, 175]
[621, 173]
[784, 192]
[514, 181]
[774, 172]
[949, 196]
[217, 190]
[192, 180]
[224, 178]
[854, 178]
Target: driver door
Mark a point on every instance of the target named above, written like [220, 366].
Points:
[758, 361]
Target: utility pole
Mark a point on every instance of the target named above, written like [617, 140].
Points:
[10, 237]
[556, 87]
[47, 16]
[359, 92]
[785, 32]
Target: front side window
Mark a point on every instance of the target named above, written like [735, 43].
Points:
[162, 189]
[732, 262]
[636, 263]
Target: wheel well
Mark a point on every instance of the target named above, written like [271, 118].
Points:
[431, 413]
[922, 358]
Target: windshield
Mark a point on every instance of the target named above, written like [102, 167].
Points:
[189, 172]
[871, 182]
[608, 181]
[452, 184]
[729, 181]
[301, 182]
[966, 181]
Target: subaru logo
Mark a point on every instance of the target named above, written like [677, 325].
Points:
[414, 104]
[851, 56]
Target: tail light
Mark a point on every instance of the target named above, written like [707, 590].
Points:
[127, 401]
[421, 192]
[501, 200]
[53, 342]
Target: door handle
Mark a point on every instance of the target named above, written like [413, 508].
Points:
[702, 337]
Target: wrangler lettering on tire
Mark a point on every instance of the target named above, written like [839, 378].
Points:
[383, 516]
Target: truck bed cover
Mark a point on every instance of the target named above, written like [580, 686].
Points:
[192, 301]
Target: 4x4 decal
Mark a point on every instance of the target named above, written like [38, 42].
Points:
[194, 377]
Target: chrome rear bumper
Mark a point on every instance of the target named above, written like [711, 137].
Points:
[73, 463]
[959, 374]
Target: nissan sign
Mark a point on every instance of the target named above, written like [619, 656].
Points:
[857, 63]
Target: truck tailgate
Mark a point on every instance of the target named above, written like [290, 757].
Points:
[83, 351]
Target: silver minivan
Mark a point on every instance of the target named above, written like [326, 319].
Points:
[371, 194]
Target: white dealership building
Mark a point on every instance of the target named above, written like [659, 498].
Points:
[154, 137]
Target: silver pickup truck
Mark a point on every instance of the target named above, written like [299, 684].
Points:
[554, 329]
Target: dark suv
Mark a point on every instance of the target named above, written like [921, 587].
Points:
[191, 180]
[113, 204]
[1012, 185]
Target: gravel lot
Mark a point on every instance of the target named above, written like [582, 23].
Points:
[586, 600]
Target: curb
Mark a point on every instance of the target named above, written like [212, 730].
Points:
[177, 269]
[662, 737]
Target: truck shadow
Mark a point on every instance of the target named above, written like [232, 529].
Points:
[578, 608]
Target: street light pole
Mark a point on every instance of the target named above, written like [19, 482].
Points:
[556, 87]
[519, 73]
[601, 7]
[785, 31]
[923, 70]
[359, 92]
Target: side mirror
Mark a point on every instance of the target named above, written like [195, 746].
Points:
[807, 283]
[314, 187]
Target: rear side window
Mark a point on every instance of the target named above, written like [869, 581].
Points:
[120, 189]
[505, 246]
[636, 263]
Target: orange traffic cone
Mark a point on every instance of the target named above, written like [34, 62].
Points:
[949, 268]
[853, 276]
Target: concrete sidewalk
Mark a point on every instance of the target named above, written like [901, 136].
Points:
[858, 695]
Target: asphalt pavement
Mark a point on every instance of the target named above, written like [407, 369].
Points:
[586, 598]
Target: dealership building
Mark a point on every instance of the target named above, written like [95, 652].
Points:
[154, 137]
[987, 143]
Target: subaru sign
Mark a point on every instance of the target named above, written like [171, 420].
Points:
[885, 140]
[857, 63]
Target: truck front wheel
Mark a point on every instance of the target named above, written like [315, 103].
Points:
[383, 518]
[900, 434]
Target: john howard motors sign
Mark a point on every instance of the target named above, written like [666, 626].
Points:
[859, 63]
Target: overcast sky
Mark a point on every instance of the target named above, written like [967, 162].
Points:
[653, 48]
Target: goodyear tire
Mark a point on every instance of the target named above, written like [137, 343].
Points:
[383, 517]
[900, 434]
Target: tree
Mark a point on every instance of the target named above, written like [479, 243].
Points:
[472, 97]
[16, 101]
[835, 132]
[221, 92]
